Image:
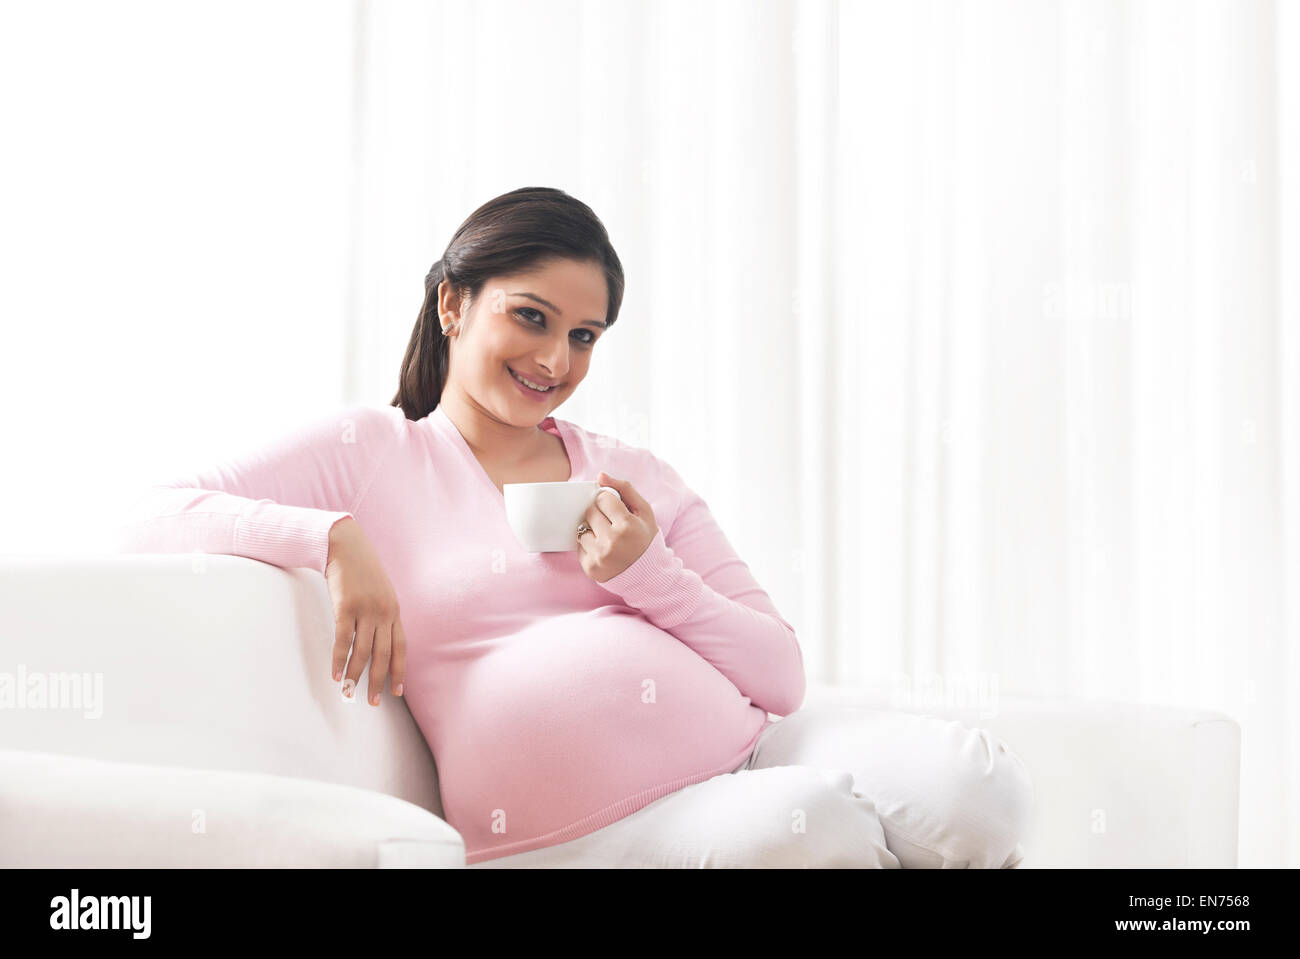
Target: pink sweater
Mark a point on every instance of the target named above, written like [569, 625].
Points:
[553, 705]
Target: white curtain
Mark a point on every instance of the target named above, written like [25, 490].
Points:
[974, 323]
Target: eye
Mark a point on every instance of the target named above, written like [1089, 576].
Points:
[526, 311]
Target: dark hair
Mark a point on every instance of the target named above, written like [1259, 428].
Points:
[513, 233]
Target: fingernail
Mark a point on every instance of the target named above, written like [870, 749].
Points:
[337, 674]
[397, 691]
[348, 686]
[374, 700]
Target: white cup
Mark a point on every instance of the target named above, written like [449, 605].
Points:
[545, 516]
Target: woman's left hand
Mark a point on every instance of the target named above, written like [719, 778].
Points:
[620, 530]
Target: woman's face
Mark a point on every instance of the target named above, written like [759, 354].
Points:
[542, 325]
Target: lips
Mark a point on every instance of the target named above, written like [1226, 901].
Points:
[515, 374]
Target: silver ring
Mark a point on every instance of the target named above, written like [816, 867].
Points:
[583, 528]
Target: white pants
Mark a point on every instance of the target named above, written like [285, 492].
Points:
[829, 787]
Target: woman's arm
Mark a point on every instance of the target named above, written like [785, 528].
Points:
[720, 611]
[276, 504]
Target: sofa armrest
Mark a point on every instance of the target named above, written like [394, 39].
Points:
[60, 811]
[1116, 784]
[137, 640]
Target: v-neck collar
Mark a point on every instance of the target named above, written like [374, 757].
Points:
[560, 429]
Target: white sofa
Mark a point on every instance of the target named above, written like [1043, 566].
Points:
[190, 720]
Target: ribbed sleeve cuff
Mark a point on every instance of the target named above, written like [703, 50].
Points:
[286, 536]
[659, 585]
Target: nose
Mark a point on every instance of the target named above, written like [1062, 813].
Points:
[555, 360]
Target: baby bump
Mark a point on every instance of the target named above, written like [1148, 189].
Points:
[579, 710]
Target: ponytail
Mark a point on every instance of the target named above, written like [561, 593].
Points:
[424, 367]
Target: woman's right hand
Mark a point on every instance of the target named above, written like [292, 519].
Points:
[365, 604]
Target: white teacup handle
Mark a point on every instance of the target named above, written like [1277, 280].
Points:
[612, 490]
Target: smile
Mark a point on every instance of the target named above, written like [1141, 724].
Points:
[537, 387]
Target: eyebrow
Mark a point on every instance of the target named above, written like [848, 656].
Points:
[558, 312]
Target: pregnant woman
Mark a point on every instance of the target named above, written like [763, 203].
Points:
[611, 705]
